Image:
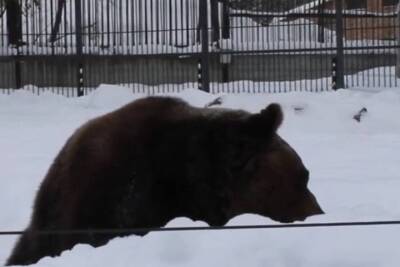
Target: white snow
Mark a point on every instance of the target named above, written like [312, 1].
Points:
[372, 80]
[354, 174]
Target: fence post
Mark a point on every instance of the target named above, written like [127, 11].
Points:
[14, 21]
[225, 36]
[204, 61]
[18, 75]
[321, 21]
[79, 46]
[339, 75]
[397, 28]
[215, 23]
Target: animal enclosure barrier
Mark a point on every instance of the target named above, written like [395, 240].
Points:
[70, 47]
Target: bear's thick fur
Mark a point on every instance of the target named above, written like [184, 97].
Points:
[158, 158]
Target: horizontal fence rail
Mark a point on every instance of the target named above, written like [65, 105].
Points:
[203, 228]
[157, 46]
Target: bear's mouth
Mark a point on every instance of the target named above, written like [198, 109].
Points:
[291, 220]
[314, 210]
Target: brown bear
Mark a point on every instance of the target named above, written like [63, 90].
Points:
[159, 158]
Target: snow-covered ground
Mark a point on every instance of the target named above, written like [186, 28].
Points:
[354, 174]
[372, 80]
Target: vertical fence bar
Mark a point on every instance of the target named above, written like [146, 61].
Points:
[397, 36]
[18, 75]
[79, 45]
[339, 46]
[204, 62]
[14, 27]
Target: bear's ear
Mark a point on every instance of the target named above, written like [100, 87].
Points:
[272, 116]
[268, 120]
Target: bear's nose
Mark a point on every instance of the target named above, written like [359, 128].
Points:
[311, 206]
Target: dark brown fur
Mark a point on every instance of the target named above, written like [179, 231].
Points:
[157, 159]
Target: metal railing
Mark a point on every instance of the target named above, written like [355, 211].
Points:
[121, 231]
[72, 46]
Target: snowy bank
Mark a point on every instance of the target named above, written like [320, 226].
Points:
[354, 174]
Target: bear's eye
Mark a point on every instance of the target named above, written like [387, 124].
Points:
[245, 165]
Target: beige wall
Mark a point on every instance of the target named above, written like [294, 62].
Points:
[374, 5]
[368, 28]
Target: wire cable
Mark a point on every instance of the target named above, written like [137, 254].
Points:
[127, 231]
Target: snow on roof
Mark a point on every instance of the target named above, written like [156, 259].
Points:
[305, 7]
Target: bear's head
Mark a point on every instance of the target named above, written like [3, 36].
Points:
[272, 180]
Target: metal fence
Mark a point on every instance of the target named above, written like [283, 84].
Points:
[72, 46]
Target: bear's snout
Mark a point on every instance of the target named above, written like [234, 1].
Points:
[308, 207]
[301, 209]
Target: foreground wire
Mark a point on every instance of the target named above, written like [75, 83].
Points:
[201, 228]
